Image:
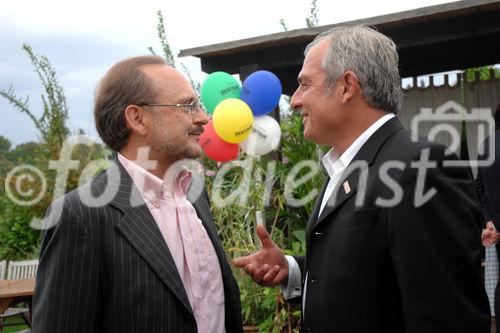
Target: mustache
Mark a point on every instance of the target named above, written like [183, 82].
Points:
[197, 131]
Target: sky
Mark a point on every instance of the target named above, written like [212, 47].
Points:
[83, 39]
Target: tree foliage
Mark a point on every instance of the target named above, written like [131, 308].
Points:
[18, 239]
[484, 73]
[52, 124]
[165, 45]
[312, 20]
[167, 51]
[5, 144]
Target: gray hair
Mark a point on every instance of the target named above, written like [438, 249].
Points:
[124, 84]
[372, 56]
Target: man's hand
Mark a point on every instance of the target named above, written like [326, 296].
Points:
[490, 236]
[268, 266]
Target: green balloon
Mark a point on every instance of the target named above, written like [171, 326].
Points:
[217, 87]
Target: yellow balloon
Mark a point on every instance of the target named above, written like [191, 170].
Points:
[233, 120]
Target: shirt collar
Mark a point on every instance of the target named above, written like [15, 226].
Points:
[335, 164]
[151, 187]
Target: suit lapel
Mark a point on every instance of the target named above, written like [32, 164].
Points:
[357, 170]
[339, 195]
[315, 212]
[139, 227]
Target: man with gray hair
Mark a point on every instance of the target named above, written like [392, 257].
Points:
[393, 243]
[136, 249]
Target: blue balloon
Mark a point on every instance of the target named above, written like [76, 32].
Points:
[261, 90]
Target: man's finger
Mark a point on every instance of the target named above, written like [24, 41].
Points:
[265, 239]
[259, 274]
[271, 275]
[250, 269]
[242, 261]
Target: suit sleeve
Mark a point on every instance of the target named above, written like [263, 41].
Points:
[301, 261]
[67, 295]
[292, 291]
[482, 175]
[483, 196]
[436, 252]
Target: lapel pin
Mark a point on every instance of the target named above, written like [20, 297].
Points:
[347, 188]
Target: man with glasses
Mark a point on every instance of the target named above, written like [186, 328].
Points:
[136, 249]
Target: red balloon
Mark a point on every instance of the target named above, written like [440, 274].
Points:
[216, 148]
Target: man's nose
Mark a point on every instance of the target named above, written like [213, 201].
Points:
[296, 100]
[201, 118]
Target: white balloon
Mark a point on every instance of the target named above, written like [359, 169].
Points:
[265, 136]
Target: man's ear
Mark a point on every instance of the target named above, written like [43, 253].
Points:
[350, 86]
[135, 119]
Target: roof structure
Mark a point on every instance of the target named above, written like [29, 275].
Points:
[433, 39]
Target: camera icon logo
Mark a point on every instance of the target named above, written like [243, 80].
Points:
[446, 123]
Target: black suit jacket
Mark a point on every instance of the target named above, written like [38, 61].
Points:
[105, 267]
[401, 268]
[488, 182]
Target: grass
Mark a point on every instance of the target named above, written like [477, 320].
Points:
[15, 328]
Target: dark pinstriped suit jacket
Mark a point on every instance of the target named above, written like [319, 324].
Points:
[105, 267]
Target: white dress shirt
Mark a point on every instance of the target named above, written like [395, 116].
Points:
[335, 166]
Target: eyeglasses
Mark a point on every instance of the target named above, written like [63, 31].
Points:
[194, 108]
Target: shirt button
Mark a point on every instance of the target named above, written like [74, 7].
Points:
[314, 280]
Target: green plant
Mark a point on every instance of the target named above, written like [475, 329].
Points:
[52, 124]
[167, 50]
[312, 20]
[5, 144]
[265, 307]
[13, 324]
[484, 73]
[18, 240]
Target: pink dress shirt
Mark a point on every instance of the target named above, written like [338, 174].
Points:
[188, 242]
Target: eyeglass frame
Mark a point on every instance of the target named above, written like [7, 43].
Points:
[194, 105]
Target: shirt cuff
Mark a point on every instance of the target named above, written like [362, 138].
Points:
[293, 287]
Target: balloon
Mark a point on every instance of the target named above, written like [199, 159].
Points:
[233, 120]
[265, 136]
[261, 91]
[217, 87]
[216, 148]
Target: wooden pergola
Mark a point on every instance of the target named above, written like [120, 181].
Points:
[433, 39]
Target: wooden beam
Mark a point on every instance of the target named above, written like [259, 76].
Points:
[307, 34]
[289, 55]
[433, 39]
[451, 55]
